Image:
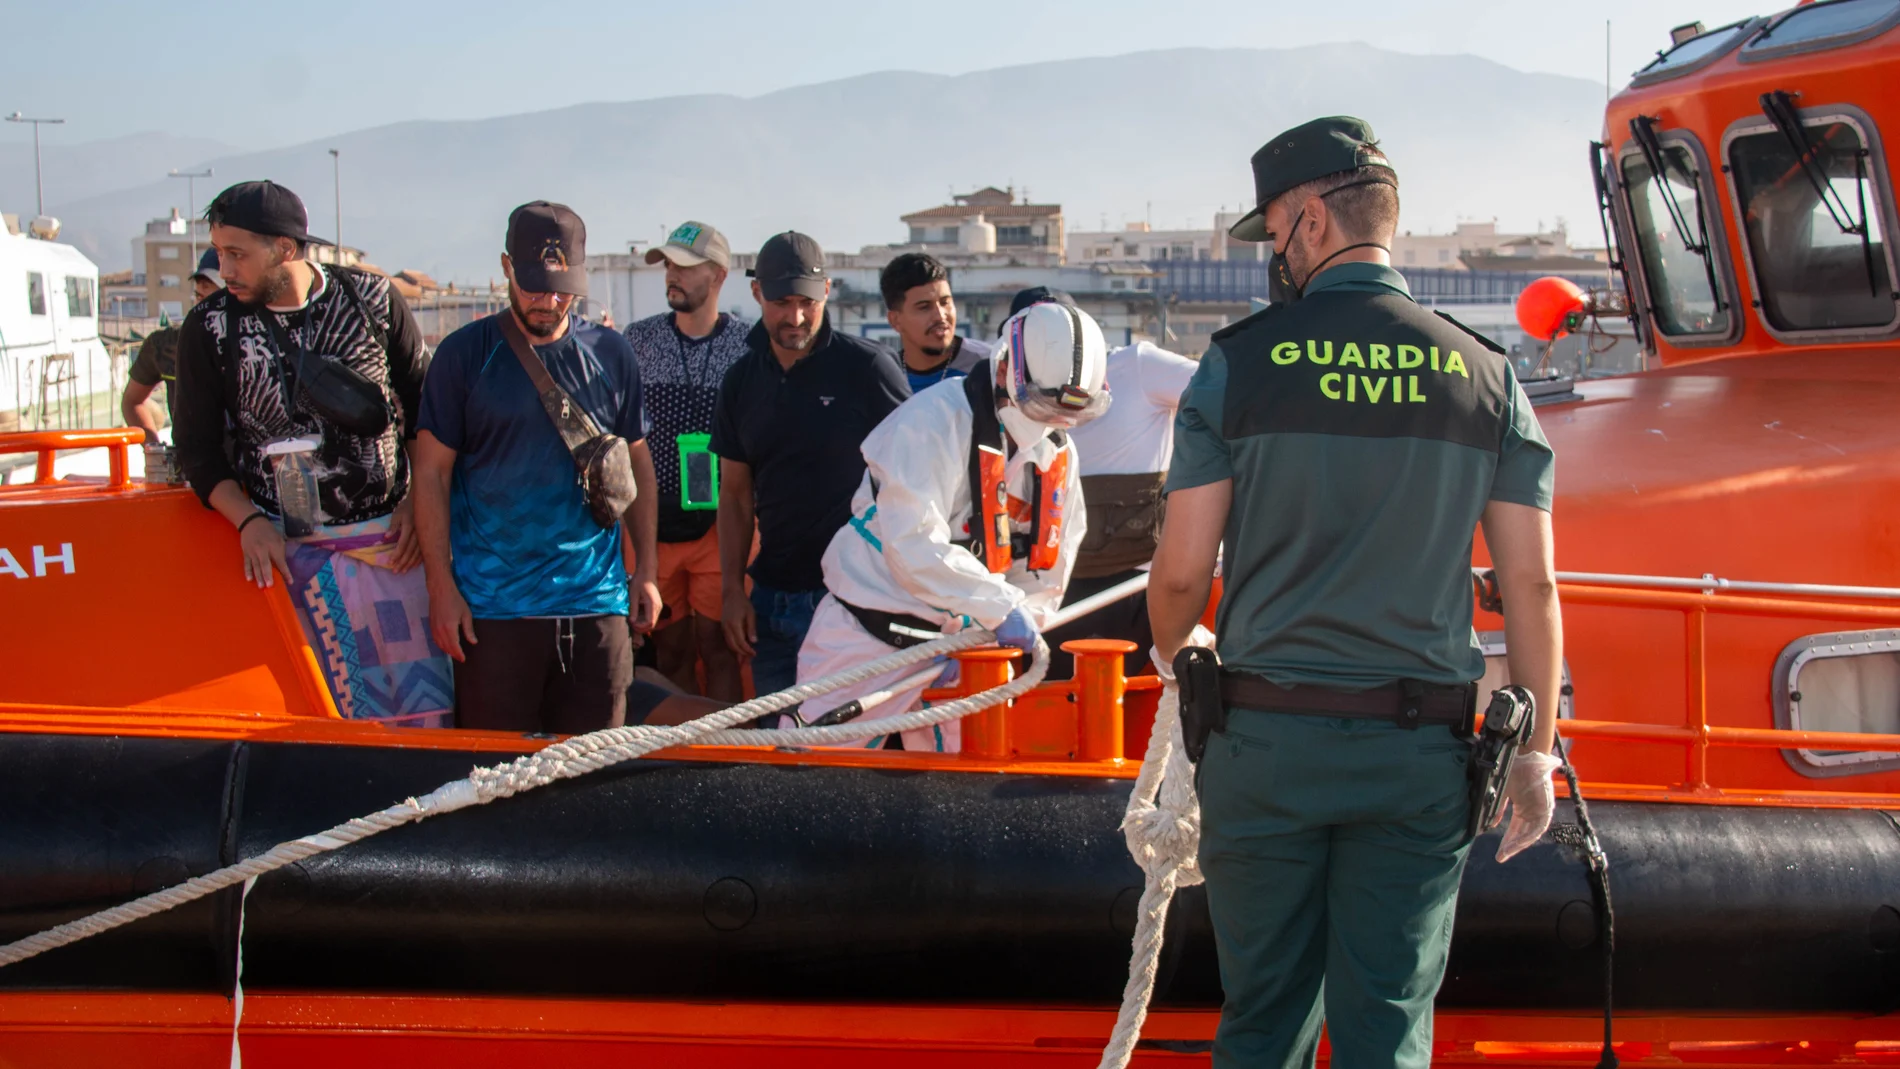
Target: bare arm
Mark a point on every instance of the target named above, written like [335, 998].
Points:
[261, 545]
[433, 468]
[139, 410]
[736, 527]
[643, 525]
[1183, 575]
[1523, 553]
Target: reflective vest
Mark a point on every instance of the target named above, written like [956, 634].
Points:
[991, 507]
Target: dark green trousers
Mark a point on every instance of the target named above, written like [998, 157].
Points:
[1332, 850]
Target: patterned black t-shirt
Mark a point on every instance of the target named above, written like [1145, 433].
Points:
[231, 371]
[681, 377]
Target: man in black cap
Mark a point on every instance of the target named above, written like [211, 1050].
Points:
[157, 361]
[528, 591]
[1343, 445]
[317, 372]
[790, 419]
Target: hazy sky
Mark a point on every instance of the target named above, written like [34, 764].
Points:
[282, 73]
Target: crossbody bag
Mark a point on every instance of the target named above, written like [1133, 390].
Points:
[606, 472]
[343, 396]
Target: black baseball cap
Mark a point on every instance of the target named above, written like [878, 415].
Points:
[1300, 155]
[548, 245]
[263, 208]
[1039, 295]
[790, 263]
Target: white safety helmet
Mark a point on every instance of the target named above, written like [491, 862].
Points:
[1054, 363]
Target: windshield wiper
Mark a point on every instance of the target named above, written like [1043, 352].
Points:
[1606, 206]
[1643, 131]
[1779, 107]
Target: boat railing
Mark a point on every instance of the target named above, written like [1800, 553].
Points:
[49, 444]
[1696, 600]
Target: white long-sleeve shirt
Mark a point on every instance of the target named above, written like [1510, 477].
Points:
[898, 555]
[1136, 435]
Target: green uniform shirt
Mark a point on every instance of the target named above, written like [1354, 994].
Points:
[1364, 437]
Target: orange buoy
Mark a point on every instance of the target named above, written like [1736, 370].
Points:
[1546, 306]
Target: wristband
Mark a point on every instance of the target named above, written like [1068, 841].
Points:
[259, 515]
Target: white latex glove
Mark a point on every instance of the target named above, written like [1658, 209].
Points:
[1200, 636]
[1531, 798]
[1162, 668]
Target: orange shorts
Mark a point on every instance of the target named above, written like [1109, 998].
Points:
[689, 578]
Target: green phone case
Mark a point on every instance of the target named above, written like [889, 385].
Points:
[699, 473]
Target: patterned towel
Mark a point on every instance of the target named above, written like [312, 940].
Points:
[370, 626]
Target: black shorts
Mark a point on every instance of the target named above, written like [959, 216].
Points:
[564, 676]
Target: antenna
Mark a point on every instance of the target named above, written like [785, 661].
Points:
[1606, 61]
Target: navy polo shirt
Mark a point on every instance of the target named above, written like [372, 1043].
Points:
[800, 432]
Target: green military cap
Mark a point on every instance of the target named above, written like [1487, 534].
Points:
[1308, 151]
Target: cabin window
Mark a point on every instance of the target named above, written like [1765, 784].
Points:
[1828, 24]
[1679, 255]
[1815, 237]
[1697, 52]
[1844, 682]
[35, 293]
[79, 297]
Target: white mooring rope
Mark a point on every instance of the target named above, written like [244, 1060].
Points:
[564, 760]
[1163, 828]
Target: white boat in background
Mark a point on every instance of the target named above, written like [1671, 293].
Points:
[52, 359]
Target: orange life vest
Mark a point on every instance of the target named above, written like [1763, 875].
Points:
[991, 507]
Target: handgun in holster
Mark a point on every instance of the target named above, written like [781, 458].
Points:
[1197, 674]
[1508, 723]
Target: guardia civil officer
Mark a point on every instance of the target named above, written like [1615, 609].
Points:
[1343, 445]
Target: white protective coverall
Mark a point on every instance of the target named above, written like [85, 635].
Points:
[897, 554]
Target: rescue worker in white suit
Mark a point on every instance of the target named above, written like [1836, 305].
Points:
[970, 513]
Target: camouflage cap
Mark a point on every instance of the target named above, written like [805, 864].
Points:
[1308, 151]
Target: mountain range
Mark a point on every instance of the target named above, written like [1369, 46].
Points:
[1160, 135]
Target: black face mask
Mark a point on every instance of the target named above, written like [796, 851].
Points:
[1281, 287]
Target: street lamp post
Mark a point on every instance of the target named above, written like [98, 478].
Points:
[39, 179]
[336, 182]
[191, 206]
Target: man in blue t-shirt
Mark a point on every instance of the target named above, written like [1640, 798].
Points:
[527, 592]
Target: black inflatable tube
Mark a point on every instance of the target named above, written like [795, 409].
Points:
[807, 883]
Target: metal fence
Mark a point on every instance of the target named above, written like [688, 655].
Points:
[1238, 281]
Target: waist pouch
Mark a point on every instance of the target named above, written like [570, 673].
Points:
[606, 473]
[341, 395]
[1124, 517]
[894, 628]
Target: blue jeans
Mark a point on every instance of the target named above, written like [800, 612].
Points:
[784, 617]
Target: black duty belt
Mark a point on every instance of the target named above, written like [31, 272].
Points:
[1407, 703]
[894, 628]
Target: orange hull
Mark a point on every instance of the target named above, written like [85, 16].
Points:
[127, 616]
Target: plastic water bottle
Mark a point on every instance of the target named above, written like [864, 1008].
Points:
[294, 468]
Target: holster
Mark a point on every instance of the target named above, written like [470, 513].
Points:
[1508, 723]
[1197, 675]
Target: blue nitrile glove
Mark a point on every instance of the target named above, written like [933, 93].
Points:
[1017, 631]
[949, 676]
